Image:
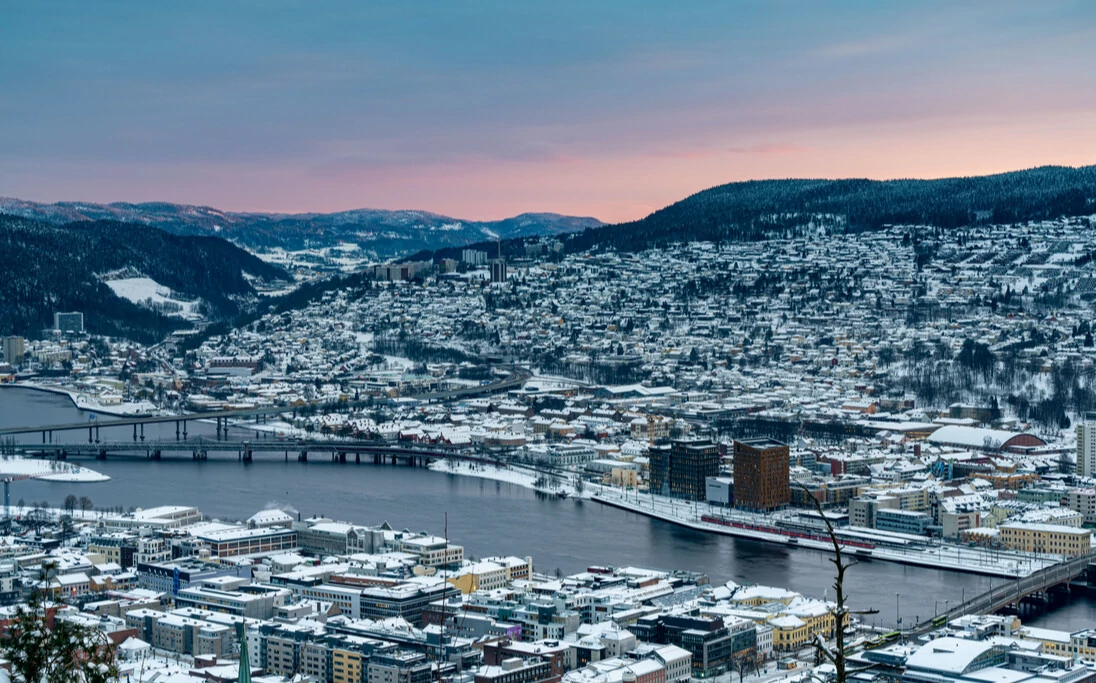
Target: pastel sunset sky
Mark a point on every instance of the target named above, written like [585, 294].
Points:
[483, 109]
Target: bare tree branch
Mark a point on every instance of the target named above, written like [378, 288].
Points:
[841, 613]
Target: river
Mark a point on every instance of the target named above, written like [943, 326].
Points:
[489, 518]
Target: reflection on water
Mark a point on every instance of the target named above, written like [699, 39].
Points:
[487, 517]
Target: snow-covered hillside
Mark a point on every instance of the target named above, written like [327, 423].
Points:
[147, 292]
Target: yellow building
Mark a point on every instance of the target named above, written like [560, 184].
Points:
[794, 619]
[347, 667]
[479, 576]
[817, 615]
[620, 476]
[789, 633]
[754, 596]
[1080, 644]
[1045, 538]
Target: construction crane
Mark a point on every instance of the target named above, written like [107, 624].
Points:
[652, 419]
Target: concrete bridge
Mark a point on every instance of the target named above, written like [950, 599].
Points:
[517, 377]
[1056, 579]
[246, 451]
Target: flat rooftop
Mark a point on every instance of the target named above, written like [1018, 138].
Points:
[762, 444]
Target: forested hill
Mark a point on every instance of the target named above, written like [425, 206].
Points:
[757, 209]
[762, 208]
[50, 268]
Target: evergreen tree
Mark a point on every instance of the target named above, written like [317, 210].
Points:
[44, 649]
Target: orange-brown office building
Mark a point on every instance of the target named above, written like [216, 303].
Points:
[761, 481]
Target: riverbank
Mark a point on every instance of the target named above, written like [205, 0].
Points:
[525, 477]
[942, 556]
[684, 514]
[83, 402]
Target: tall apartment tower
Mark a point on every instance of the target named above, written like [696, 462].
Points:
[1086, 446]
[761, 475]
[682, 469]
[14, 350]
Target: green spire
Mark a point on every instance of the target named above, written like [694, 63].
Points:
[245, 662]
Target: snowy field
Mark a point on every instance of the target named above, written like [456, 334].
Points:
[141, 290]
[509, 475]
[48, 470]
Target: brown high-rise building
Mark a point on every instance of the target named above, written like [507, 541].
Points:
[761, 481]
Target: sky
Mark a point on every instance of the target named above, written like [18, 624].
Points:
[483, 109]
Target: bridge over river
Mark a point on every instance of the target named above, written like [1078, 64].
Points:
[247, 451]
[515, 378]
[1039, 586]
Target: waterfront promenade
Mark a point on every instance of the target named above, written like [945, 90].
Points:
[937, 555]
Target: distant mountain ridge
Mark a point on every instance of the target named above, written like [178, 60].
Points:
[383, 233]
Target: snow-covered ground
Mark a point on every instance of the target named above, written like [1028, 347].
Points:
[141, 290]
[125, 408]
[942, 556]
[48, 470]
[510, 475]
[86, 402]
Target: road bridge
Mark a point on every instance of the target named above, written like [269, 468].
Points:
[516, 377]
[246, 451]
[1056, 578]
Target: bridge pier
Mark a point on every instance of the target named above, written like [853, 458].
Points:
[199, 455]
[303, 456]
[377, 458]
[101, 454]
[184, 430]
[156, 454]
[357, 458]
[176, 430]
[135, 431]
[89, 434]
[142, 431]
[247, 454]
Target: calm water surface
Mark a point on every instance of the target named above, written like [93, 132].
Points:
[486, 517]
